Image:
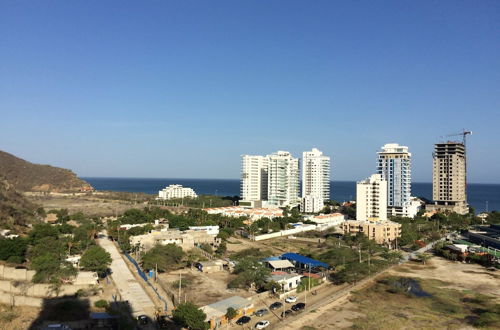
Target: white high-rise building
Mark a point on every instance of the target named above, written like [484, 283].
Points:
[283, 179]
[315, 180]
[371, 199]
[253, 178]
[394, 165]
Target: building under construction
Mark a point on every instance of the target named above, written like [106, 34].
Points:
[449, 174]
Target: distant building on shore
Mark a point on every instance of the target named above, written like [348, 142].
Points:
[176, 191]
[371, 199]
[449, 178]
[315, 180]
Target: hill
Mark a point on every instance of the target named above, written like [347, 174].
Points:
[15, 210]
[26, 176]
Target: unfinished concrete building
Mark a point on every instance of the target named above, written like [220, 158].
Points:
[449, 178]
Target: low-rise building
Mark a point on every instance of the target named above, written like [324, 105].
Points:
[382, 232]
[288, 281]
[333, 219]
[185, 239]
[216, 312]
[251, 213]
[176, 191]
[211, 266]
[280, 265]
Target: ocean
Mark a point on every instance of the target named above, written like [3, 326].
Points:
[480, 196]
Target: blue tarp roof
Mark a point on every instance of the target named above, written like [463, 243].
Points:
[304, 260]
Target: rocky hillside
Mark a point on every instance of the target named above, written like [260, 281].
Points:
[26, 176]
[15, 210]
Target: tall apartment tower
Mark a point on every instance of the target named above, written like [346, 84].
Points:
[394, 165]
[371, 199]
[449, 178]
[283, 179]
[315, 180]
[253, 178]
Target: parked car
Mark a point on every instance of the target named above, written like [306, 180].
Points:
[162, 321]
[286, 313]
[275, 305]
[262, 324]
[291, 299]
[243, 320]
[299, 306]
[143, 319]
[261, 312]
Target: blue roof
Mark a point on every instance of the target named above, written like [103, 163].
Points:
[304, 260]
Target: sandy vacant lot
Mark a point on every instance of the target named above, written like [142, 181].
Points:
[467, 278]
[203, 288]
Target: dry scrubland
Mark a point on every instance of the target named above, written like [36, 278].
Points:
[96, 204]
[462, 296]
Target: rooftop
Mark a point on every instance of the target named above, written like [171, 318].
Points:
[219, 308]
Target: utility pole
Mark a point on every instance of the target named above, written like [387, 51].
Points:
[180, 282]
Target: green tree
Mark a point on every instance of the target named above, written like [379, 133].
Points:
[166, 257]
[95, 259]
[13, 249]
[231, 313]
[190, 316]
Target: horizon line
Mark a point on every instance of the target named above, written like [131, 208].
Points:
[232, 179]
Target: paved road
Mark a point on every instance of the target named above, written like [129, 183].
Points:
[126, 283]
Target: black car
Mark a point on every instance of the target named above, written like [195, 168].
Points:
[243, 320]
[286, 313]
[143, 319]
[162, 321]
[299, 306]
[275, 305]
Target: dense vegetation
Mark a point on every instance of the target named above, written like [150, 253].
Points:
[202, 201]
[164, 257]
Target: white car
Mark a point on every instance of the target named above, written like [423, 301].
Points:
[291, 299]
[262, 324]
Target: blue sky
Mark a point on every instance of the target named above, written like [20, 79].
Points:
[183, 88]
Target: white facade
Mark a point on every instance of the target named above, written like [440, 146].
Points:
[311, 204]
[176, 191]
[210, 230]
[283, 179]
[371, 199]
[315, 180]
[253, 178]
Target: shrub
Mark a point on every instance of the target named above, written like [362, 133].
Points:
[101, 303]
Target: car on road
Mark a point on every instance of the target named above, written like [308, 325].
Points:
[298, 306]
[291, 299]
[243, 320]
[261, 312]
[286, 313]
[275, 305]
[262, 324]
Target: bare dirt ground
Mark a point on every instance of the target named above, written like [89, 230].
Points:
[203, 288]
[17, 318]
[88, 205]
[458, 276]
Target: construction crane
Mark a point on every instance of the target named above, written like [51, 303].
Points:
[463, 134]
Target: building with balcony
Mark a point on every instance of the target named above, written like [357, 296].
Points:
[176, 191]
[315, 180]
[253, 180]
[371, 199]
[382, 232]
[283, 180]
[394, 166]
